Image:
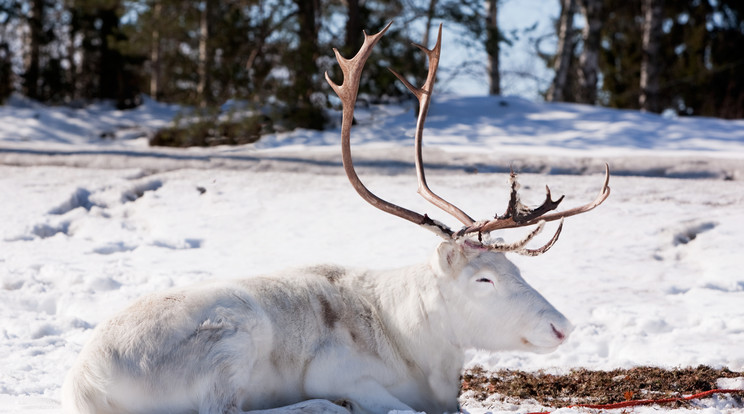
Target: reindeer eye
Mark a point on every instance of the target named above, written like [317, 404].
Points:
[484, 280]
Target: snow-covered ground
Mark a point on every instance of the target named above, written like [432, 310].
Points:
[651, 277]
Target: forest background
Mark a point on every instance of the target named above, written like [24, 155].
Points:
[266, 57]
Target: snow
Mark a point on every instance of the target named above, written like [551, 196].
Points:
[651, 277]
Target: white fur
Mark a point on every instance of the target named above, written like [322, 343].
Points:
[371, 341]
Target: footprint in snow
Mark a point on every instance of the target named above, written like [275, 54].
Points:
[691, 231]
[115, 247]
[79, 198]
[139, 190]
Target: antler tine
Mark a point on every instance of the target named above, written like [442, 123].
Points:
[347, 92]
[521, 213]
[423, 94]
[518, 245]
[352, 68]
[546, 247]
[510, 222]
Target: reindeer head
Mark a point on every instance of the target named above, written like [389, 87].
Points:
[484, 283]
[495, 308]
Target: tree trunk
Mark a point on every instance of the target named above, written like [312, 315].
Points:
[353, 40]
[110, 66]
[308, 46]
[589, 59]
[155, 51]
[36, 28]
[492, 48]
[306, 114]
[650, 70]
[5, 72]
[562, 63]
[428, 23]
[202, 87]
[72, 49]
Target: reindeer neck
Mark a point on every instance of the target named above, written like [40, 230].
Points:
[417, 320]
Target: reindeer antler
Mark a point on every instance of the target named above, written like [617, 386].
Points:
[423, 95]
[347, 92]
[516, 215]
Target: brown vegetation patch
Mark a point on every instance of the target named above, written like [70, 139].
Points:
[583, 386]
[211, 131]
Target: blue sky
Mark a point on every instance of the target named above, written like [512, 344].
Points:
[516, 60]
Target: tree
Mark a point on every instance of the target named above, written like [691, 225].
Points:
[589, 59]
[36, 40]
[9, 16]
[44, 76]
[5, 72]
[563, 57]
[205, 53]
[493, 39]
[157, 9]
[302, 61]
[110, 62]
[353, 26]
[621, 54]
[649, 99]
[109, 66]
[477, 24]
[703, 73]
[429, 21]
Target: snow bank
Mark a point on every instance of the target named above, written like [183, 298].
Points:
[485, 134]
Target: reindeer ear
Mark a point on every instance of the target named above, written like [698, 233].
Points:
[449, 259]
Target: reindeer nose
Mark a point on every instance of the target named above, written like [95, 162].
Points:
[558, 334]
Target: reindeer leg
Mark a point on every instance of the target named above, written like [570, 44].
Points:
[310, 407]
[367, 397]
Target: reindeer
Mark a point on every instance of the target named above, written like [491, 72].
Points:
[328, 339]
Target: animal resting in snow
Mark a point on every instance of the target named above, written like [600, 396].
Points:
[326, 338]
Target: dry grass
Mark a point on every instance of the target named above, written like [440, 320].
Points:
[583, 386]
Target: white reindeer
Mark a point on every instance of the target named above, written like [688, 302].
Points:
[326, 338]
